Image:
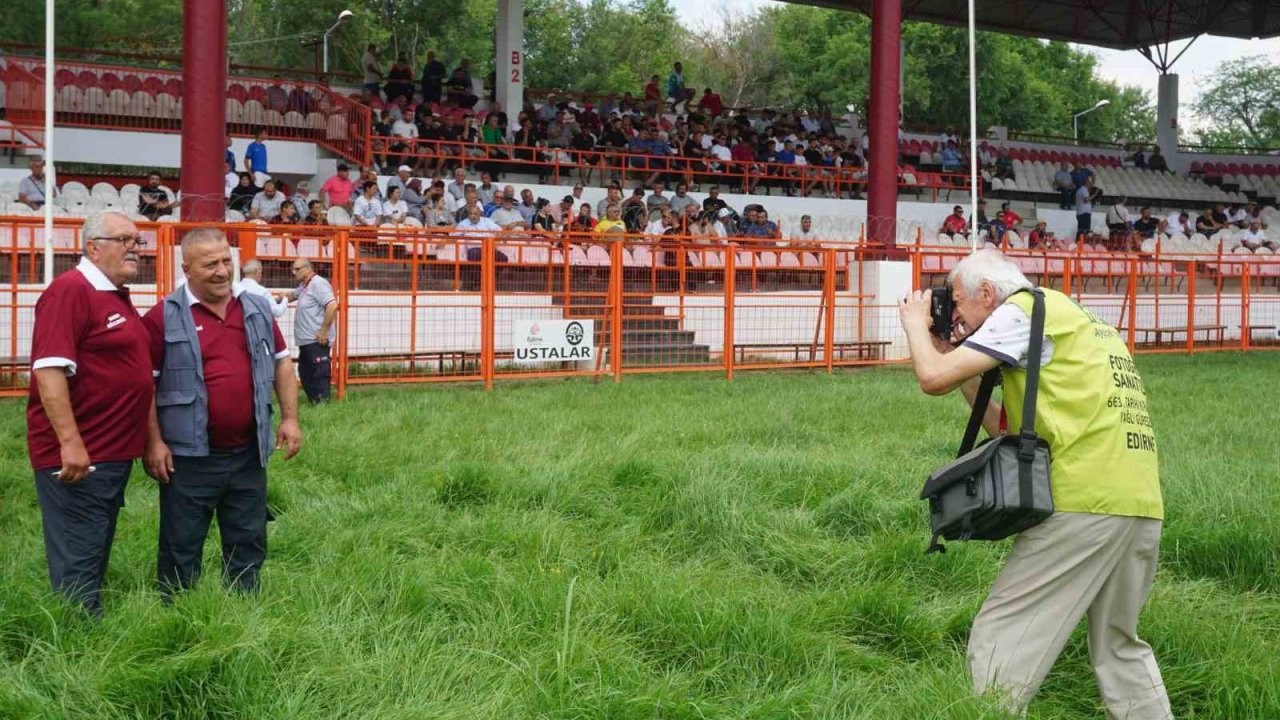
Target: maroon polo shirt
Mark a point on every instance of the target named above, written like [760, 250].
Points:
[228, 374]
[90, 329]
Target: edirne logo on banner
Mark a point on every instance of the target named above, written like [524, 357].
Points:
[553, 340]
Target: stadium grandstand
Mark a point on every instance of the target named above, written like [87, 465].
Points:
[664, 215]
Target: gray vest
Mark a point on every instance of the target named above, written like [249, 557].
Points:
[182, 400]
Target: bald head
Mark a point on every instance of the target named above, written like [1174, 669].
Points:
[252, 269]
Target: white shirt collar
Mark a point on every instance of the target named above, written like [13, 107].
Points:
[236, 289]
[95, 276]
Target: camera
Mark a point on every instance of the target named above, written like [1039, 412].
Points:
[941, 306]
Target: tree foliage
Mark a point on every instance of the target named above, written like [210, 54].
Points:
[1240, 104]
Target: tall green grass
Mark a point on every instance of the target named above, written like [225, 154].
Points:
[671, 547]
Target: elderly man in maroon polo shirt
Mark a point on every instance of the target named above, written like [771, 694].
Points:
[218, 355]
[89, 400]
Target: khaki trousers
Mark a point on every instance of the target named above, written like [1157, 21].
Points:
[1070, 565]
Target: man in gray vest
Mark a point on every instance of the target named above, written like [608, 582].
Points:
[217, 355]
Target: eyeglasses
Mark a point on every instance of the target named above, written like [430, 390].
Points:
[128, 241]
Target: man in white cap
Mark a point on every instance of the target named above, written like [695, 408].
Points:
[720, 227]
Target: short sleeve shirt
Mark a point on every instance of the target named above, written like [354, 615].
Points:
[267, 207]
[313, 298]
[31, 189]
[1006, 336]
[256, 154]
[90, 329]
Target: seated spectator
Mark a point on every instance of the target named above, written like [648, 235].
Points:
[1040, 238]
[1254, 238]
[955, 224]
[613, 196]
[542, 219]
[612, 220]
[713, 204]
[31, 189]
[1010, 219]
[951, 159]
[491, 207]
[266, 204]
[1238, 216]
[438, 210]
[656, 200]
[486, 190]
[153, 201]
[230, 180]
[367, 210]
[583, 221]
[805, 235]
[242, 194]
[277, 96]
[404, 132]
[721, 227]
[681, 200]
[1146, 226]
[288, 215]
[1178, 223]
[315, 214]
[1004, 165]
[505, 215]
[1205, 223]
[1157, 162]
[1138, 158]
[477, 227]
[300, 100]
[766, 228]
[394, 209]
[301, 196]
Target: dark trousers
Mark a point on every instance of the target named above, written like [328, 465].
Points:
[1084, 224]
[79, 525]
[313, 368]
[234, 484]
[1066, 199]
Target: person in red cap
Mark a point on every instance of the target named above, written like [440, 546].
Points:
[91, 394]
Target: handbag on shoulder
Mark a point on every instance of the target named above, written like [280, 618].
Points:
[1002, 487]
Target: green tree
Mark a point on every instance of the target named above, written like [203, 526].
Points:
[1240, 104]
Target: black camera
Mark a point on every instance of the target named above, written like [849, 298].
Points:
[941, 306]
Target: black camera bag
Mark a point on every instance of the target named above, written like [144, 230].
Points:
[1002, 487]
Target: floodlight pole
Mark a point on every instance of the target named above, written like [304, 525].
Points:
[48, 142]
[973, 129]
[1075, 119]
[324, 62]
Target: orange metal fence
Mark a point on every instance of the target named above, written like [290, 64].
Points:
[150, 100]
[428, 305]
[23, 107]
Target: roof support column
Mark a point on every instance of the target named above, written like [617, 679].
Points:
[1167, 118]
[886, 61]
[509, 63]
[204, 93]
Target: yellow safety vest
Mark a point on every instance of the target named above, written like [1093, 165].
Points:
[1092, 409]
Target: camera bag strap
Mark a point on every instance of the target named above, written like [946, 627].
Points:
[1027, 439]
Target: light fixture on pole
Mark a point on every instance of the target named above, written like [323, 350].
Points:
[1075, 119]
[341, 17]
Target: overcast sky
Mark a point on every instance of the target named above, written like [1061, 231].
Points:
[1126, 68]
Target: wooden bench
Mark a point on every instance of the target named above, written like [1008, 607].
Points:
[861, 350]
[1159, 332]
[1270, 338]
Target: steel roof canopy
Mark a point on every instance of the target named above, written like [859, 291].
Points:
[1119, 24]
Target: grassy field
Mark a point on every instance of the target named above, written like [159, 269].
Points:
[672, 547]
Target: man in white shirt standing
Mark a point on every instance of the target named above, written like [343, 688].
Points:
[251, 282]
[372, 73]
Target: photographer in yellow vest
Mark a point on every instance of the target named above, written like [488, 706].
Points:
[1096, 555]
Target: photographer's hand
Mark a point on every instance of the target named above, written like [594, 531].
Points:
[939, 371]
[913, 311]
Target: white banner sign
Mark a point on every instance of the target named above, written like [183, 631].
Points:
[538, 341]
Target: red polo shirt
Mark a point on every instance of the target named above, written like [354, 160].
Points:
[88, 327]
[228, 375]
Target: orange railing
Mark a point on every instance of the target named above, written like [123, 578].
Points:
[23, 107]
[150, 100]
[586, 165]
[431, 305]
